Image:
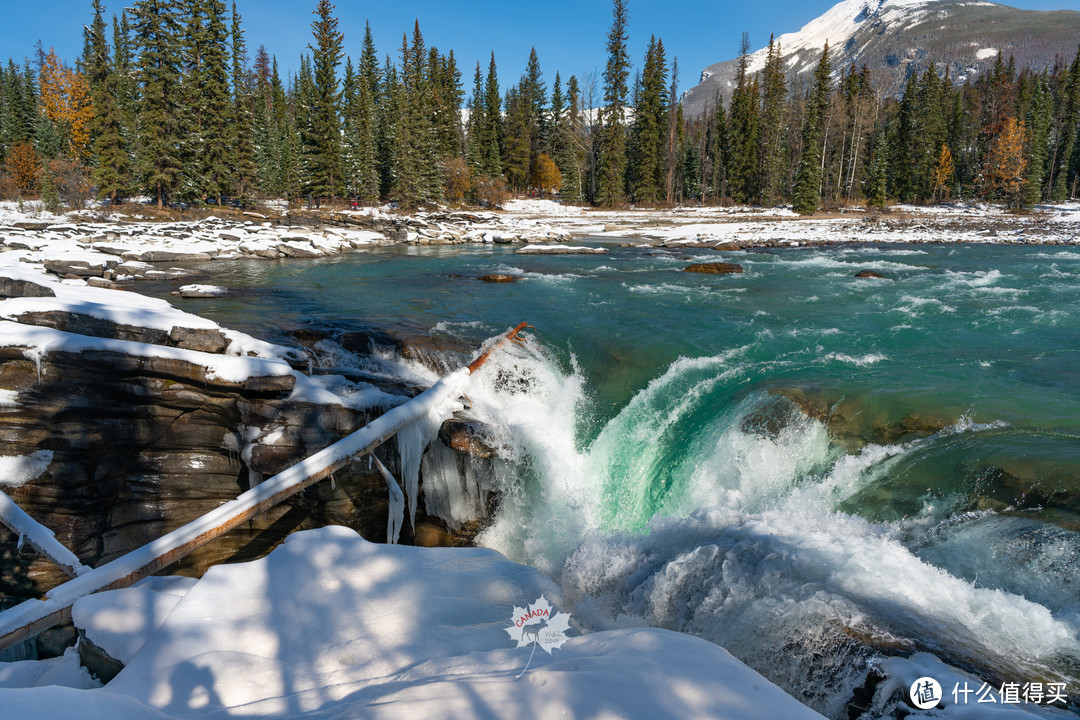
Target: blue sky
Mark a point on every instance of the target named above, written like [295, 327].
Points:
[568, 36]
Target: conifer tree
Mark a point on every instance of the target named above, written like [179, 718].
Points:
[243, 152]
[571, 158]
[324, 139]
[647, 146]
[417, 172]
[516, 143]
[744, 132]
[774, 92]
[110, 161]
[474, 130]
[491, 140]
[1038, 141]
[218, 126]
[612, 141]
[386, 128]
[367, 177]
[877, 176]
[807, 195]
[157, 31]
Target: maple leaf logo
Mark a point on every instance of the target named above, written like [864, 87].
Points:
[539, 624]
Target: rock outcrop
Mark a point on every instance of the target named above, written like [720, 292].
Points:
[141, 444]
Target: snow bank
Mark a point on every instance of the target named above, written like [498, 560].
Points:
[17, 470]
[331, 626]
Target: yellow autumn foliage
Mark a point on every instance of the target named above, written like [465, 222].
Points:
[65, 98]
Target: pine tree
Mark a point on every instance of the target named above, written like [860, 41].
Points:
[808, 178]
[157, 30]
[744, 132]
[1038, 141]
[774, 91]
[325, 130]
[110, 160]
[647, 146]
[243, 152]
[417, 172]
[367, 176]
[474, 130]
[491, 141]
[570, 159]
[533, 91]
[612, 142]
[386, 129]
[877, 176]
[218, 126]
[516, 144]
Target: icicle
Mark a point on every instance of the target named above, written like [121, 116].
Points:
[333, 482]
[22, 541]
[412, 440]
[396, 516]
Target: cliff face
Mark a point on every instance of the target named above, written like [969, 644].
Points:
[895, 38]
[115, 449]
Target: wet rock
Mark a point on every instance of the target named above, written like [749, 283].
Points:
[499, 278]
[727, 246]
[864, 274]
[466, 437]
[714, 268]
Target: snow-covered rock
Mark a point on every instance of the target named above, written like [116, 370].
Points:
[330, 626]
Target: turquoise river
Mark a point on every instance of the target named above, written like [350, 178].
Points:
[848, 483]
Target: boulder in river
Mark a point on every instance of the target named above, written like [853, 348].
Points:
[864, 274]
[714, 268]
[499, 278]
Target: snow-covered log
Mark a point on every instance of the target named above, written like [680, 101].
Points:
[40, 537]
[29, 618]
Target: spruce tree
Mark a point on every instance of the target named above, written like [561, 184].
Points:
[386, 129]
[612, 142]
[647, 147]
[417, 173]
[325, 127]
[218, 122]
[110, 161]
[474, 130]
[807, 195]
[243, 121]
[157, 30]
[491, 142]
[367, 176]
[744, 132]
[1038, 125]
[774, 91]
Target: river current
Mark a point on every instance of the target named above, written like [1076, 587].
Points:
[848, 483]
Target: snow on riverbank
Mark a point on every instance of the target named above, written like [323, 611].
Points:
[330, 625]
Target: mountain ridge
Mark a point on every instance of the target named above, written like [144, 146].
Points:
[895, 38]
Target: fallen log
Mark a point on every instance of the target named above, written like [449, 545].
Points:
[31, 617]
[40, 537]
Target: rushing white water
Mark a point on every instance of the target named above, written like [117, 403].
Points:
[695, 510]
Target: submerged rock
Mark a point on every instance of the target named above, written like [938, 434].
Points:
[499, 278]
[714, 268]
[864, 274]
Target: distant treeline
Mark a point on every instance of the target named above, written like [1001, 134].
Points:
[167, 103]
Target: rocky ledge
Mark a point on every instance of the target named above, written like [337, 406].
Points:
[115, 433]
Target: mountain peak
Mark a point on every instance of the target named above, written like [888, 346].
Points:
[894, 38]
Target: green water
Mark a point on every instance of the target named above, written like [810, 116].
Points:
[763, 458]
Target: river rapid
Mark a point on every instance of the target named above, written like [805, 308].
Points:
[848, 483]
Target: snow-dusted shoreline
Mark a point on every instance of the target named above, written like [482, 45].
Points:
[110, 254]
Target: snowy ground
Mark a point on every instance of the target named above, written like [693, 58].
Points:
[332, 626]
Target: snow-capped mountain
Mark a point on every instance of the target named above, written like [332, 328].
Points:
[897, 37]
